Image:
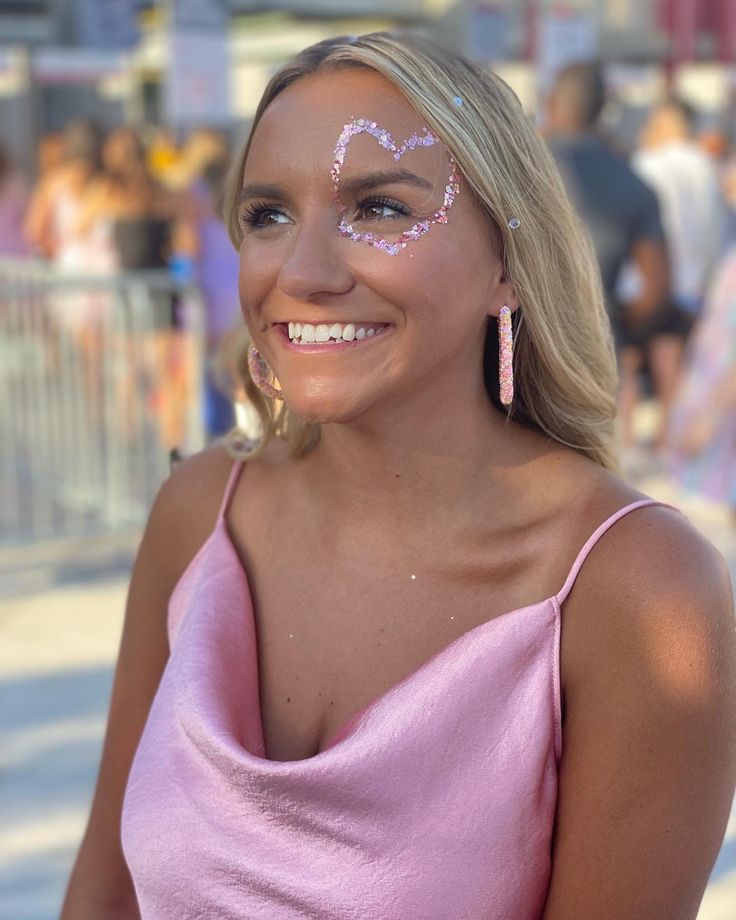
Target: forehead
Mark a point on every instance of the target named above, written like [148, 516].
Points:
[300, 128]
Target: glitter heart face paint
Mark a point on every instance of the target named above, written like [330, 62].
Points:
[386, 141]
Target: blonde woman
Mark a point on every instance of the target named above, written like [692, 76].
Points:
[423, 654]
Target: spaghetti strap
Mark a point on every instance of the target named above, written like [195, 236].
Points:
[232, 481]
[595, 537]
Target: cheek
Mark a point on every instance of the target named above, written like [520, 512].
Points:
[255, 279]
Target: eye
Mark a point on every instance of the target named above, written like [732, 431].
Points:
[381, 208]
[259, 215]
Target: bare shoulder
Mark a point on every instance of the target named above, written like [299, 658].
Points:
[651, 577]
[186, 508]
[649, 744]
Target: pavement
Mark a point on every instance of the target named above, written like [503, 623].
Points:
[57, 649]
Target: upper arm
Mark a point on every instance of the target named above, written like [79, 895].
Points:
[649, 759]
[649, 255]
[183, 515]
[648, 244]
[37, 224]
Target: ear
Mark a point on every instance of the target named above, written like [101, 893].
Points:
[503, 295]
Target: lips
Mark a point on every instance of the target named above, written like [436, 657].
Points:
[332, 333]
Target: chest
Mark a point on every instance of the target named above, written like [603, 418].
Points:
[334, 636]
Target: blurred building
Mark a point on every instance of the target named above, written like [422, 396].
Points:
[176, 61]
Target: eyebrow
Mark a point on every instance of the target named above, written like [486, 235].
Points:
[386, 177]
[351, 186]
[260, 190]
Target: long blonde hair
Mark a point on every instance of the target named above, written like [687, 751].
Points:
[564, 364]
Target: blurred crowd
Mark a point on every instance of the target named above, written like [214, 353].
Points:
[661, 218]
[127, 201]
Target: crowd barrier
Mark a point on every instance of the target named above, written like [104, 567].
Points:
[101, 378]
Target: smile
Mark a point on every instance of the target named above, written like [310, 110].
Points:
[333, 333]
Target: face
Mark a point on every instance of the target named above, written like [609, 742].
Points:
[399, 320]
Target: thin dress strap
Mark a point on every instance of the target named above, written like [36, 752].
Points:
[232, 481]
[595, 537]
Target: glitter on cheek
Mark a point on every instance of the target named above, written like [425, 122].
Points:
[386, 141]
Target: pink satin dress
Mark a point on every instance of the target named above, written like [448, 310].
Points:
[436, 802]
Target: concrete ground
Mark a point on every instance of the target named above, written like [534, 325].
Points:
[57, 649]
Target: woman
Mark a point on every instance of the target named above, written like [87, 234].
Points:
[703, 441]
[13, 202]
[379, 720]
[149, 224]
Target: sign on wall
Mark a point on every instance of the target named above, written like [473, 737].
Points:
[565, 36]
[198, 74]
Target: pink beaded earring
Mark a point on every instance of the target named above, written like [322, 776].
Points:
[261, 374]
[505, 356]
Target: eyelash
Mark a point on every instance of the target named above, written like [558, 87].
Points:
[383, 202]
[253, 217]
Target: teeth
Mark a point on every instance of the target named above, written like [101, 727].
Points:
[337, 332]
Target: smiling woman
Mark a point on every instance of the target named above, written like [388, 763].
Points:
[564, 365]
[420, 653]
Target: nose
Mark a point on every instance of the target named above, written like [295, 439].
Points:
[314, 264]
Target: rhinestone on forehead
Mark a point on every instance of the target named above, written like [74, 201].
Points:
[385, 140]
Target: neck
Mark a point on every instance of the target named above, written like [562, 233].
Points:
[387, 477]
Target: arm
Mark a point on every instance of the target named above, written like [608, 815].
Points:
[184, 234]
[37, 227]
[182, 517]
[649, 759]
[648, 247]
[650, 258]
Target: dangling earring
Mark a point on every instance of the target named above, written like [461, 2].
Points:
[505, 356]
[261, 374]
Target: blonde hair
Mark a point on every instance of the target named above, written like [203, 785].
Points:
[564, 364]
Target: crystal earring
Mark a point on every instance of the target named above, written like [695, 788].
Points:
[505, 356]
[261, 374]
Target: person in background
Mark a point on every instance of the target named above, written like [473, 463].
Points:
[149, 224]
[49, 154]
[54, 225]
[622, 216]
[728, 185]
[702, 441]
[685, 180]
[216, 272]
[13, 202]
[162, 154]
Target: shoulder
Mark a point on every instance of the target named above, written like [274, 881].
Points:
[649, 742]
[186, 508]
[653, 594]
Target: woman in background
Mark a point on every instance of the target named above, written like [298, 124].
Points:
[703, 439]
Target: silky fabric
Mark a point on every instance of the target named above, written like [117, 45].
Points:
[436, 802]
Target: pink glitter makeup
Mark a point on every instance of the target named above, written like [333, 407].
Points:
[385, 140]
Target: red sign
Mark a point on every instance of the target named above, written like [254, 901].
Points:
[726, 31]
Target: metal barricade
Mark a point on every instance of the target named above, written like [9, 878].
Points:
[100, 379]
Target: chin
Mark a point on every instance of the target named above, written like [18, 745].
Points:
[325, 407]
